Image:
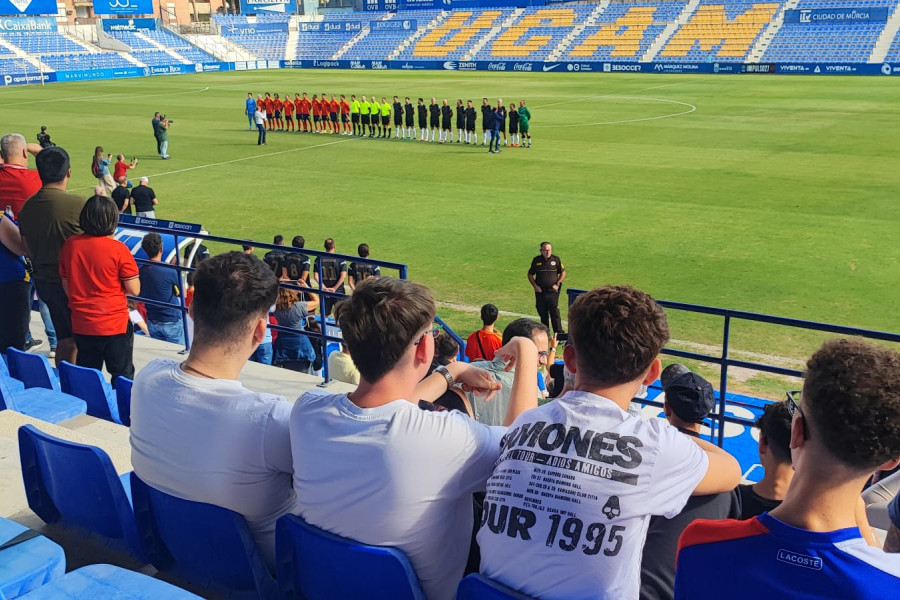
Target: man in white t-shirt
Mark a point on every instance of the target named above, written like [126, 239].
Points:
[196, 432]
[376, 467]
[568, 505]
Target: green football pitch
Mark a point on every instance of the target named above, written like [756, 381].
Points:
[769, 194]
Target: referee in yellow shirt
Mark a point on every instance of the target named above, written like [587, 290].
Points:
[364, 117]
[354, 113]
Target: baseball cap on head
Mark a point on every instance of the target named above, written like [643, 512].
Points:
[690, 396]
[671, 372]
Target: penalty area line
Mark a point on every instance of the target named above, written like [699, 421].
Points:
[235, 160]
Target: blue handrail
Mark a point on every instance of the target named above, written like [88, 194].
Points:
[724, 360]
[179, 234]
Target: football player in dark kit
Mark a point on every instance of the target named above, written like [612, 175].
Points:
[434, 121]
[471, 136]
[546, 276]
[460, 121]
[422, 111]
[446, 118]
[486, 110]
[501, 112]
[513, 126]
[398, 118]
[410, 113]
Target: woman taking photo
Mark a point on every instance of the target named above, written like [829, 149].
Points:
[100, 169]
[97, 272]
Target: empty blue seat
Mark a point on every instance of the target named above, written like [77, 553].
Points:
[46, 405]
[11, 382]
[123, 400]
[76, 484]
[479, 587]
[314, 564]
[33, 370]
[89, 385]
[106, 581]
[203, 543]
[28, 564]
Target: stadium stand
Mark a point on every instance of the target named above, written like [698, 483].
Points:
[535, 33]
[720, 32]
[42, 42]
[624, 31]
[828, 41]
[894, 52]
[453, 37]
[323, 46]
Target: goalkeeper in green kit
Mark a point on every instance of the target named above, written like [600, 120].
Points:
[524, 118]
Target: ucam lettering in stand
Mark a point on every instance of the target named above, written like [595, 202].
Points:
[123, 7]
[28, 7]
[379, 65]
[28, 24]
[357, 64]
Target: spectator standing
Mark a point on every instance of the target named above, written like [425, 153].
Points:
[229, 445]
[844, 428]
[688, 401]
[100, 169]
[775, 457]
[546, 276]
[97, 272]
[143, 198]
[121, 168]
[296, 264]
[397, 475]
[155, 124]
[596, 473]
[360, 271]
[15, 287]
[334, 274]
[122, 196]
[47, 220]
[17, 182]
[482, 344]
[163, 127]
[161, 283]
[43, 138]
[293, 350]
[275, 258]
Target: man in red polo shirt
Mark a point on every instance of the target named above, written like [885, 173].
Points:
[18, 183]
[121, 167]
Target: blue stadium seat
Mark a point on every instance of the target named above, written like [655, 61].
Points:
[12, 383]
[203, 543]
[89, 385]
[317, 565]
[76, 484]
[27, 563]
[123, 400]
[40, 403]
[478, 587]
[33, 370]
[106, 581]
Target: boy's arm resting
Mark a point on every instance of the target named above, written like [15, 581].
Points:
[723, 472]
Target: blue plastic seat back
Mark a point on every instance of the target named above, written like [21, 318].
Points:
[89, 385]
[479, 587]
[123, 399]
[107, 581]
[200, 542]
[314, 564]
[75, 484]
[33, 370]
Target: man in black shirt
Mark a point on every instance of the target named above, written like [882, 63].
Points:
[43, 138]
[334, 273]
[501, 112]
[471, 136]
[409, 132]
[121, 195]
[446, 118]
[275, 258]
[296, 265]
[546, 276]
[460, 121]
[513, 126]
[688, 400]
[155, 124]
[398, 118]
[144, 199]
[434, 112]
[485, 126]
[775, 457]
[360, 271]
[423, 120]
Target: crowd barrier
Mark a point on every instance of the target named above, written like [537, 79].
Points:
[718, 417]
[178, 235]
[10, 79]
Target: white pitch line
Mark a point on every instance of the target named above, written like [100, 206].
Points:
[691, 108]
[102, 96]
[234, 160]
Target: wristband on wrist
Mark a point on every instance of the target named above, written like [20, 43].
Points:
[445, 372]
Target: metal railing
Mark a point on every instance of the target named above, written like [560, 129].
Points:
[724, 360]
[172, 229]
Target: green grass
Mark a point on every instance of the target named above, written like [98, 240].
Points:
[776, 195]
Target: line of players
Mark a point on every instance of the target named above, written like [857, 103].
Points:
[370, 118]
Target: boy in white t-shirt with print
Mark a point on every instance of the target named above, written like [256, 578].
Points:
[570, 500]
[375, 467]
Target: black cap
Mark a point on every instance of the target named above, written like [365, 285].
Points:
[690, 396]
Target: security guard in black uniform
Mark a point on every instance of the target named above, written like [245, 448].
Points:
[546, 276]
